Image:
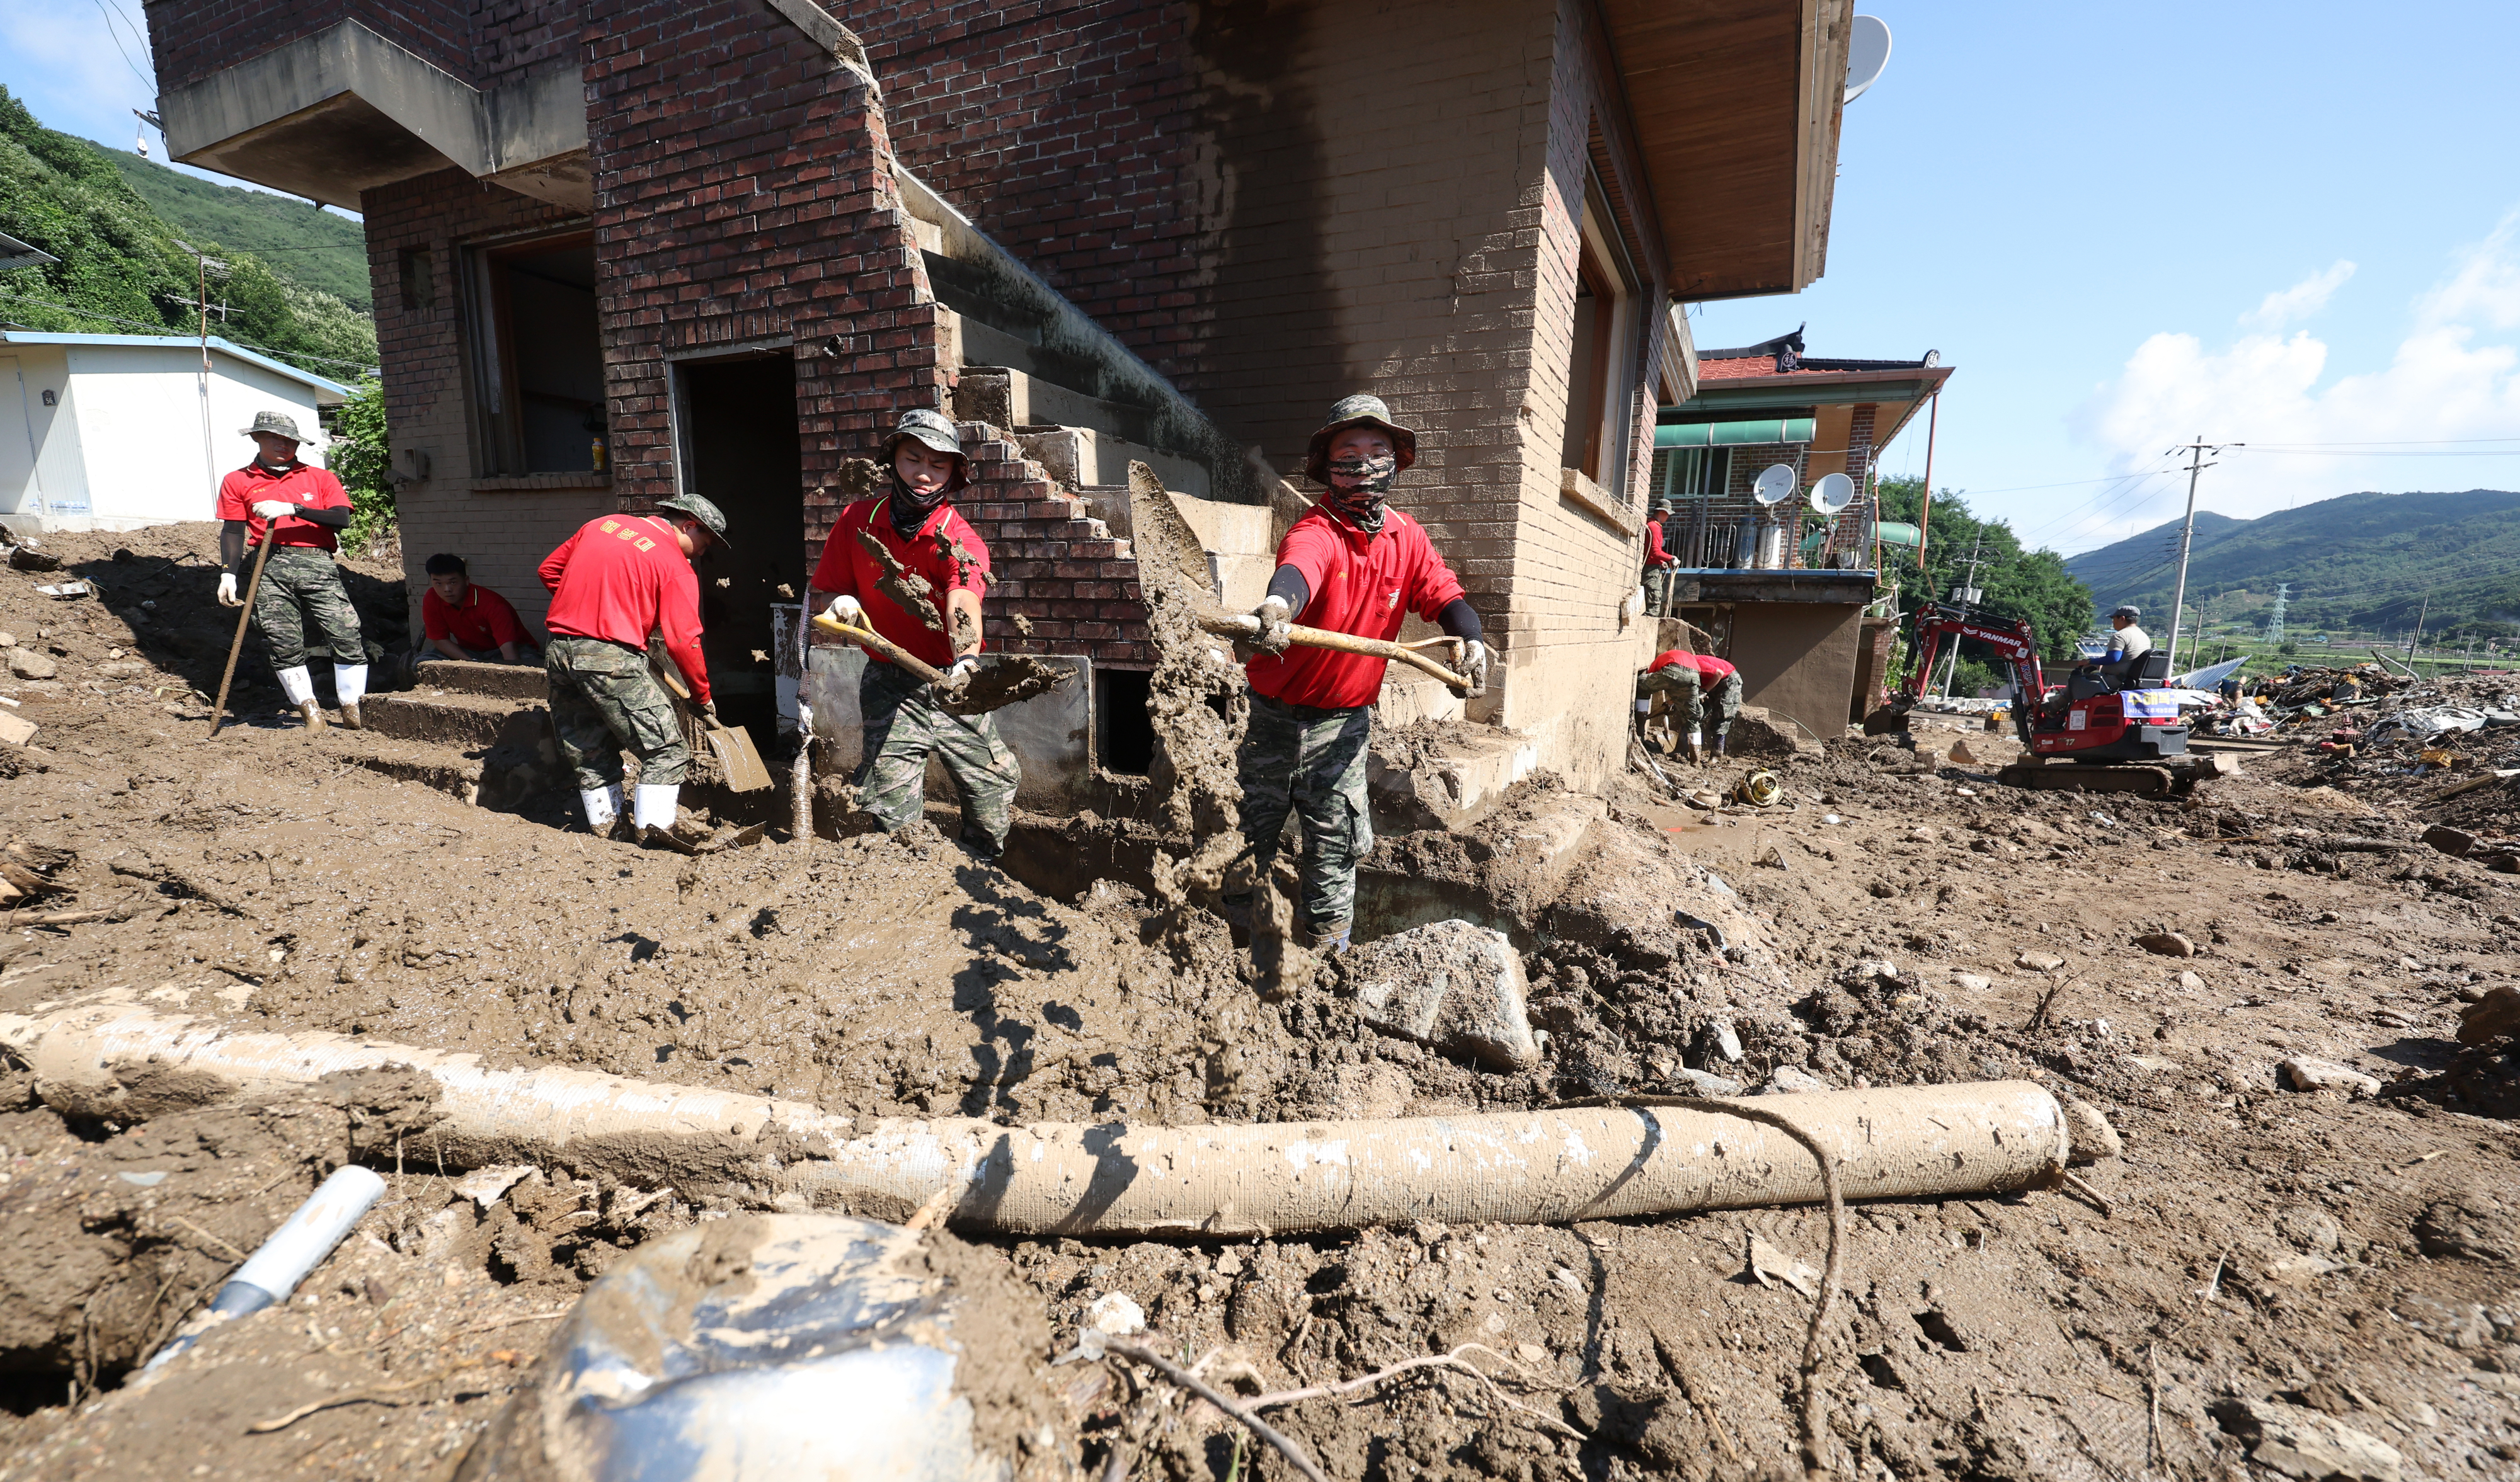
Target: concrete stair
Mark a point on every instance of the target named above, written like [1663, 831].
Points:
[482, 732]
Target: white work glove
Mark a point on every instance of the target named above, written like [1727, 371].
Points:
[227, 591]
[1474, 667]
[1274, 621]
[847, 609]
[273, 509]
[960, 675]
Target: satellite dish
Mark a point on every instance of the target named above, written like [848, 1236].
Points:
[1774, 484]
[1868, 52]
[1834, 492]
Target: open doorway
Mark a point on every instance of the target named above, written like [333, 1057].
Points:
[737, 421]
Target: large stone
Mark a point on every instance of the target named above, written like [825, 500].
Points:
[2302, 1072]
[27, 663]
[1450, 984]
[2299, 1442]
[2166, 944]
[2491, 1018]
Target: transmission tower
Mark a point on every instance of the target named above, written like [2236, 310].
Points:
[2275, 618]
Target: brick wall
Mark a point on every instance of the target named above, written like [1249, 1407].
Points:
[739, 198]
[1059, 569]
[422, 347]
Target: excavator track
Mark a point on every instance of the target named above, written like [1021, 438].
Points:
[2142, 782]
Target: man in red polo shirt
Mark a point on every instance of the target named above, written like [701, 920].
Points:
[916, 524]
[619, 579]
[297, 507]
[1354, 564]
[1659, 563]
[466, 621]
[1699, 685]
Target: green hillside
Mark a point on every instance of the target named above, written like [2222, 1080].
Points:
[121, 273]
[303, 244]
[2365, 562]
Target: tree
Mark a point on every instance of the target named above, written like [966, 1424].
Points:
[361, 456]
[2032, 585]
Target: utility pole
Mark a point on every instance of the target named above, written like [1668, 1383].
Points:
[2197, 465]
[1966, 594]
[2417, 636]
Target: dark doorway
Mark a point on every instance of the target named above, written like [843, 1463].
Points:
[741, 452]
[1124, 731]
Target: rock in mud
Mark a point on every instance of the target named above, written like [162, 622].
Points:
[2491, 1018]
[2297, 1442]
[2450, 840]
[2453, 1228]
[2302, 1072]
[2039, 961]
[2166, 944]
[1792, 1080]
[1450, 984]
[1707, 1083]
[27, 663]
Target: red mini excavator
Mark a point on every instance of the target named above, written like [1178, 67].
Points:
[2092, 733]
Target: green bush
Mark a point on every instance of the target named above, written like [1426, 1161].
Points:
[360, 456]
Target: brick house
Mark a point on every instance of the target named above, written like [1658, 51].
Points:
[1784, 591]
[626, 246]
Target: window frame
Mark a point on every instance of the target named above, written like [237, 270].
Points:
[497, 421]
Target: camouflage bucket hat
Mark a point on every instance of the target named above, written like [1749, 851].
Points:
[934, 432]
[277, 424]
[698, 508]
[1358, 412]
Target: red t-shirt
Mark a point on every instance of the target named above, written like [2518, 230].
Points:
[1710, 669]
[300, 485]
[848, 571]
[1361, 584]
[482, 620]
[620, 578]
[1656, 554]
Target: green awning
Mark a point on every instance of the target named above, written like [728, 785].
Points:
[1727, 434]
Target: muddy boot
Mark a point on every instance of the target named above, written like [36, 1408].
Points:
[313, 713]
[350, 717]
[979, 846]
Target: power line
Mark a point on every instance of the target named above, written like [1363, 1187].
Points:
[116, 37]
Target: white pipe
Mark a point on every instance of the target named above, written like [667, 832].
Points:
[1532, 1167]
[296, 1248]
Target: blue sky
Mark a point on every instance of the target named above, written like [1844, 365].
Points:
[2128, 224]
[2294, 226]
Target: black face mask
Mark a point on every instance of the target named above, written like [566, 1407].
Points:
[1358, 486]
[909, 509]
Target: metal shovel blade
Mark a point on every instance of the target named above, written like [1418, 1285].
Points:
[738, 758]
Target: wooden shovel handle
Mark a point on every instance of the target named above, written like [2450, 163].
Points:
[876, 642]
[1244, 625]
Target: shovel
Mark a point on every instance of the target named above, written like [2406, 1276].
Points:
[736, 754]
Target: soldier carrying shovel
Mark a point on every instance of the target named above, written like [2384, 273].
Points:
[1352, 565]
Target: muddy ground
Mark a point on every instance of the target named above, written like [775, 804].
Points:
[265, 880]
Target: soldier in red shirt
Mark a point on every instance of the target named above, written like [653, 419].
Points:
[1699, 685]
[297, 507]
[619, 579]
[463, 619]
[917, 525]
[1659, 563]
[1354, 566]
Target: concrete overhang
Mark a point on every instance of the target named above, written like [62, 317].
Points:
[1897, 393]
[1736, 105]
[1854, 588]
[346, 111]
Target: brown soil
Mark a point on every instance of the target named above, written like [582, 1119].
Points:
[273, 885]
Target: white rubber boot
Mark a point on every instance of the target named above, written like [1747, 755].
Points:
[297, 685]
[349, 686]
[603, 806]
[657, 805]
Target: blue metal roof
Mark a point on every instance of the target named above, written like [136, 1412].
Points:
[181, 343]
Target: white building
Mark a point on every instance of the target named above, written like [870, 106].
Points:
[115, 431]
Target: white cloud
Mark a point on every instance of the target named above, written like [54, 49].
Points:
[2291, 305]
[2454, 374]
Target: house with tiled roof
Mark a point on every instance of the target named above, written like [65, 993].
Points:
[1782, 588]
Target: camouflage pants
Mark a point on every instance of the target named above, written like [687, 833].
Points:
[1689, 700]
[1309, 762]
[603, 698]
[300, 582]
[903, 724]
